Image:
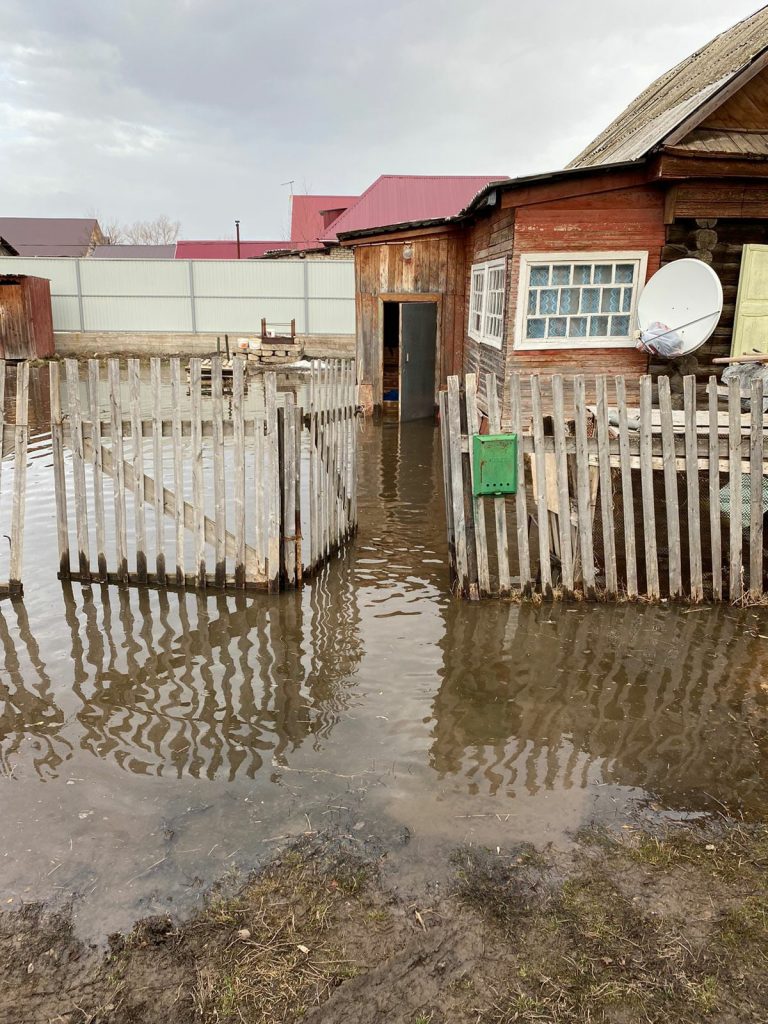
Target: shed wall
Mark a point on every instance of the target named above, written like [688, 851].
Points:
[435, 269]
[26, 327]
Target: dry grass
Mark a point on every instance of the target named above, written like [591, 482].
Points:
[286, 964]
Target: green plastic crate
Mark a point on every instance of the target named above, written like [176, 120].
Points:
[494, 464]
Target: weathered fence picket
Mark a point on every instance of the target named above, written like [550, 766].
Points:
[668, 463]
[14, 442]
[245, 527]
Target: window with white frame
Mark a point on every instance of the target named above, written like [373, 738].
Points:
[572, 299]
[486, 302]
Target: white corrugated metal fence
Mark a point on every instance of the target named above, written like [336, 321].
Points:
[195, 296]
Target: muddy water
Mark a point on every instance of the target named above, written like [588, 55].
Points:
[151, 743]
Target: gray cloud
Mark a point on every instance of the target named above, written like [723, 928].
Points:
[201, 108]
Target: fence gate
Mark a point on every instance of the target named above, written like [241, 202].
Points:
[201, 476]
[14, 438]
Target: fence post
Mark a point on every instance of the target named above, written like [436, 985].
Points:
[499, 504]
[457, 486]
[692, 489]
[542, 509]
[59, 479]
[627, 495]
[670, 489]
[15, 586]
[756, 491]
[478, 509]
[521, 498]
[735, 490]
[646, 484]
[561, 477]
[714, 493]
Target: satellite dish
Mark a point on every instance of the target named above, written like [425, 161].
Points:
[679, 309]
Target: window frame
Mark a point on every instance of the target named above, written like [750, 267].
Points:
[529, 259]
[481, 336]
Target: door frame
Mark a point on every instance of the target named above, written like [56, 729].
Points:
[437, 298]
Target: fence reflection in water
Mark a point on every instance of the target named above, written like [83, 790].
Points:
[179, 684]
[533, 700]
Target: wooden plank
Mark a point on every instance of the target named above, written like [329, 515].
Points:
[219, 492]
[561, 477]
[692, 486]
[18, 506]
[606, 489]
[59, 478]
[72, 370]
[442, 400]
[238, 420]
[714, 493]
[189, 513]
[670, 490]
[298, 420]
[288, 512]
[313, 470]
[198, 493]
[540, 463]
[735, 580]
[94, 385]
[155, 371]
[521, 497]
[116, 419]
[353, 370]
[627, 495]
[137, 451]
[499, 503]
[478, 509]
[653, 589]
[457, 485]
[757, 478]
[583, 490]
[272, 483]
[260, 497]
[178, 468]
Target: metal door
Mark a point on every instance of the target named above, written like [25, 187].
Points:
[418, 343]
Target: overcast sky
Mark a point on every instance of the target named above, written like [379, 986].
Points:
[200, 109]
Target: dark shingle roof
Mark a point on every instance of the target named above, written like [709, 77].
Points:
[679, 93]
[49, 236]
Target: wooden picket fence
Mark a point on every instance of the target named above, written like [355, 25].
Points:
[612, 500]
[14, 440]
[169, 468]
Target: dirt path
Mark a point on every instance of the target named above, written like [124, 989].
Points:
[659, 926]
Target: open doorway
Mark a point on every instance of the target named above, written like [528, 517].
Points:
[409, 358]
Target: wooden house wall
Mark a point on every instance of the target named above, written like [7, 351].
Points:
[624, 220]
[435, 269]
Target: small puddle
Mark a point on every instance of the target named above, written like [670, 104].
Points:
[151, 743]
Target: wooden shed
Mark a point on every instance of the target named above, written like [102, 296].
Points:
[543, 273]
[26, 322]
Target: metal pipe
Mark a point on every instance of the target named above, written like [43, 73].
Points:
[237, 233]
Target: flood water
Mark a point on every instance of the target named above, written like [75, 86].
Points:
[151, 743]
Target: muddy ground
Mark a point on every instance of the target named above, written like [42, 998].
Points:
[668, 924]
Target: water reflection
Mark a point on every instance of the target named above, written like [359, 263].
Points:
[671, 701]
[168, 683]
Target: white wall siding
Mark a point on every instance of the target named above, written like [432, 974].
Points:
[243, 316]
[331, 316]
[196, 296]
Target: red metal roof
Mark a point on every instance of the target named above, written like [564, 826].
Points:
[307, 221]
[401, 198]
[226, 250]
